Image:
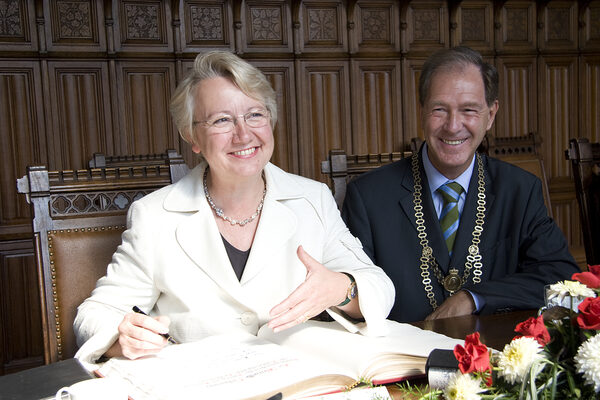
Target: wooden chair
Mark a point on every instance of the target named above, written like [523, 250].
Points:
[522, 151]
[585, 161]
[342, 168]
[78, 218]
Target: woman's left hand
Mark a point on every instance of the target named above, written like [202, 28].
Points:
[322, 289]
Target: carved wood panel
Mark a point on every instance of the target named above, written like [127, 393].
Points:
[323, 114]
[145, 123]
[427, 26]
[516, 26]
[206, 24]
[373, 27]
[22, 139]
[517, 114]
[17, 30]
[376, 107]
[473, 26]
[282, 78]
[80, 113]
[557, 26]
[20, 309]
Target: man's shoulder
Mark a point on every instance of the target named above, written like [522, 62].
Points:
[383, 175]
[502, 170]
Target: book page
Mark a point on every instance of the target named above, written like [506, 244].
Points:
[233, 366]
[400, 354]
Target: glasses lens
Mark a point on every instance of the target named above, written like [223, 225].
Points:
[256, 119]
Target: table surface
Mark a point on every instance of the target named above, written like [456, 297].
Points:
[495, 332]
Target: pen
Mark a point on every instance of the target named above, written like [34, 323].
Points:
[165, 335]
[276, 396]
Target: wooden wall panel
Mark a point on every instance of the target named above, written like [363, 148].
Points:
[20, 309]
[74, 26]
[590, 27]
[473, 26]
[411, 70]
[146, 125]
[18, 32]
[517, 114]
[376, 107]
[323, 114]
[373, 26]
[143, 26]
[517, 27]
[282, 78]
[22, 140]
[80, 114]
[589, 112]
[558, 26]
[558, 107]
[427, 26]
[206, 24]
[268, 26]
[321, 27]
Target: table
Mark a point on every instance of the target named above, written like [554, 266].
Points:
[495, 331]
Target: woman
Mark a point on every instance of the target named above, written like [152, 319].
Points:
[236, 243]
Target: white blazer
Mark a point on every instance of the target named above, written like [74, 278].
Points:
[172, 261]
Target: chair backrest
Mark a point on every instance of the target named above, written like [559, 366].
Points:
[522, 151]
[341, 168]
[585, 160]
[78, 218]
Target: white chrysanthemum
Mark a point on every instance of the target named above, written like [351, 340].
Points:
[571, 288]
[463, 387]
[587, 361]
[517, 358]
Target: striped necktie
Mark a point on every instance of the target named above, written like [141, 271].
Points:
[450, 192]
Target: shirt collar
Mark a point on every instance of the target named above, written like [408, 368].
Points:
[436, 179]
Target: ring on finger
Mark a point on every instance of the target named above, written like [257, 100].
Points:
[302, 319]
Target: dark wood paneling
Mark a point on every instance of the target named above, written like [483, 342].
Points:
[18, 32]
[146, 125]
[516, 27]
[80, 113]
[473, 26]
[22, 140]
[20, 311]
[427, 26]
[376, 107]
[324, 113]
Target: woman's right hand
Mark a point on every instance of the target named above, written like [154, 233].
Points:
[139, 335]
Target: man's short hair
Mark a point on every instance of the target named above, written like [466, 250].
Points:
[458, 57]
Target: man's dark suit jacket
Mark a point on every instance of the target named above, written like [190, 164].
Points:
[522, 248]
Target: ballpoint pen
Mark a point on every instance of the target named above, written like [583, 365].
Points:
[165, 335]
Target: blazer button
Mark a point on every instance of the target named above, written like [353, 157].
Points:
[248, 318]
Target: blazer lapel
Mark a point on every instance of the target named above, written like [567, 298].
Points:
[277, 223]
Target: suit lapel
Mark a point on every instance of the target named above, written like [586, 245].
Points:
[432, 225]
[464, 235]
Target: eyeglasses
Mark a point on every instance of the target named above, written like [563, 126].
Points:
[224, 123]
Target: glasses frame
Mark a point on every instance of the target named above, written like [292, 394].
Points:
[235, 118]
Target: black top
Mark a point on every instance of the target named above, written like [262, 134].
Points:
[237, 258]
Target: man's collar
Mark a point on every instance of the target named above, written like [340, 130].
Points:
[437, 179]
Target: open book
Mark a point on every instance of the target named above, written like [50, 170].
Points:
[309, 359]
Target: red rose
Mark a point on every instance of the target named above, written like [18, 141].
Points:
[589, 313]
[590, 278]
[535, 328]
[474, 357]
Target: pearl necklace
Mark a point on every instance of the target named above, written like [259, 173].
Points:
[221, 214]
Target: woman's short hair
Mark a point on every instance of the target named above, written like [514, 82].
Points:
[213, 64]
[458, 57]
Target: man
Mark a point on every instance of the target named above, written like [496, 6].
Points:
[456, 231]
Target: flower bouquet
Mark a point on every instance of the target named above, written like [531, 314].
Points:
[555, 356]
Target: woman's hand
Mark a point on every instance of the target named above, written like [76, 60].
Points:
[322, 289]
[139, 335]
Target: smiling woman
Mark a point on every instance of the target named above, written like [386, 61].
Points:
[237, 243]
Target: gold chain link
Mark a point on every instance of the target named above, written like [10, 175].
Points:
[427, 259]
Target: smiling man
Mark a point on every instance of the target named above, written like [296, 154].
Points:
[456, 231]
